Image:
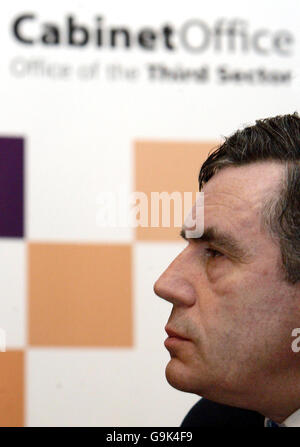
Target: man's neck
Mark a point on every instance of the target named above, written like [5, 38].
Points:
[278, 398]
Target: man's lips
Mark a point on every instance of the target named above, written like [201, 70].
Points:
[173, 334]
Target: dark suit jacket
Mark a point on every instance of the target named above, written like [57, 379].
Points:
[206, 413]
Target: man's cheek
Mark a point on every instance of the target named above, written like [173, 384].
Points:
[225, 283]
[219, 271]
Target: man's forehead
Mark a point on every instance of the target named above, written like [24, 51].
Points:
[234, 196]
[244, 184]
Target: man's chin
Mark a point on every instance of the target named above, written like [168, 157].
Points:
[178, 377]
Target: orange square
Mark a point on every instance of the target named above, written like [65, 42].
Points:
[12, 389]
[167, 166]
[80, 295]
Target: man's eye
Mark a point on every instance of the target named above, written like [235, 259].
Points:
[211, 253]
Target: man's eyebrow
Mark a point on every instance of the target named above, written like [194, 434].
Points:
[220, 240]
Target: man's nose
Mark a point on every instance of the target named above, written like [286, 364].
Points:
[174, 284]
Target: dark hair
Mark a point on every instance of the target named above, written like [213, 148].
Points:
[273, 139]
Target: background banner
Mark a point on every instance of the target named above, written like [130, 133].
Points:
[102, 99]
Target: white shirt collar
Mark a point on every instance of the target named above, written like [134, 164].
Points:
[291, 421]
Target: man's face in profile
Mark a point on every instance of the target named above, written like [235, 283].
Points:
[231, 304]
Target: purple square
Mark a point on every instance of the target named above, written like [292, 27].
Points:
[11, 187]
